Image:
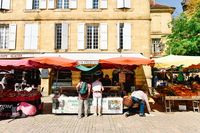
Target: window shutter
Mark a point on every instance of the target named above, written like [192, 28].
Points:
[104, 4]
[51, 4]
[73, 4]
[89, 4]
[12, 36]
[27, 36]
[120, 3]
[118, 37]
[81, 36]
[65, 30]
[0, 3]
[6, 4]
[127, 36]
[103, 36]
[43, 4]
[34, 36]
[127, 3]
[29, 4]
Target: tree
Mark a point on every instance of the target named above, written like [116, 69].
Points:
[185, 37]
[192, 6]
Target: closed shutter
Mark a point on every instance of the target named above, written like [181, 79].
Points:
[127, 36]
[51, 4]
[43, 4]
[120, 3]
[118, 37]
[6, 4]
[65, 30]
[127, 3]
[12, 36]
[104, 4]
[29, 4]
[27, 36]
[34, 36]
[73, 4]
[103, 36]
[81, 36]
[89, 4]
[0, 3]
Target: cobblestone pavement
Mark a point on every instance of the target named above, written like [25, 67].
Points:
[158, 122]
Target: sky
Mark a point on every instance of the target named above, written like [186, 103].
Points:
[173, 3]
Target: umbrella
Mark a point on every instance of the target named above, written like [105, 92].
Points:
[18, 64]
[125, 62]
[56, 62]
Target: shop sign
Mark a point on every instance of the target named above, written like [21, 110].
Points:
[112, 105]
[11, 55]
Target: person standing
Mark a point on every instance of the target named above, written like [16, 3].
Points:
[97, 89]
[83, 98]
[141, 98]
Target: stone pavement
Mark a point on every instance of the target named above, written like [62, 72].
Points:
[159, 122]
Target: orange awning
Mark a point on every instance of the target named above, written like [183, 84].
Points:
[56, 62]
[125, 61]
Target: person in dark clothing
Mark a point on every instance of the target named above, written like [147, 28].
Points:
[106, 81]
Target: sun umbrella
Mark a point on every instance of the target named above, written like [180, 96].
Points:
[125, 61]
[56, 62]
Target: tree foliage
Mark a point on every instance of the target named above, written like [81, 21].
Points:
[185, 37]
[192, 7]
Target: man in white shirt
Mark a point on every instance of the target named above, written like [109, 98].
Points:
[141, 98]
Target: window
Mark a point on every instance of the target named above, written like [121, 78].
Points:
[4, 4]
[35, 4]
[62, 4]
[92, 36]
[58, 36]
[95, 4]
[61, 35]
[4, 36]
[157, 46]
[121, 27]
[123, 3]
[124, 36]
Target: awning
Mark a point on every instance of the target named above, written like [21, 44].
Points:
[176, 60]
[85, 69]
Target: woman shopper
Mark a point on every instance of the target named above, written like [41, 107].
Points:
[83, 89]
[97, 89]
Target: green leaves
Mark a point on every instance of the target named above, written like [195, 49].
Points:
[185, 37]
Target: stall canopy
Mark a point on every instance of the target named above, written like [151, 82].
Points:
[125, 61]
[55, 62]
[19, 64]
[176, 60]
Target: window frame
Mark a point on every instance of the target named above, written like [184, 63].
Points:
[58, 36]
[93, 42]
[35, 4]
[157, 46]
[64, 4]
[5, 40]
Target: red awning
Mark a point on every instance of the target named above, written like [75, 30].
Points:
[18, 64]
[56, 62]
[125, 61]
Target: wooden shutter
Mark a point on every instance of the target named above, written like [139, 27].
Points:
[51, 4]
[64, 44]
[29, 4]
[120, 3]
[127, 36]
[43, 4]
[103, 36]
[72, 4]
[6, 4]
[34, 36]
[104, 4]
[89, 4]
[118, 37]
[81, 36]
[27, 36]
[127, 3]
[12, 36]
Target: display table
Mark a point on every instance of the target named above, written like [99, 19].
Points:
[194, 99]
[10, 99]
[65, 104]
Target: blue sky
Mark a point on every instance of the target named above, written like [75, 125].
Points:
[173, 3]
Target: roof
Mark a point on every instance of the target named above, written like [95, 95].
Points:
[155, 5]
